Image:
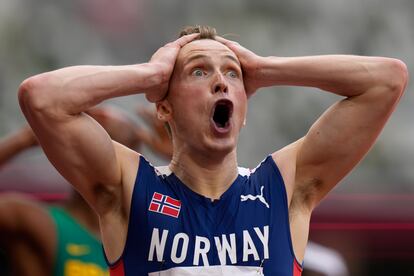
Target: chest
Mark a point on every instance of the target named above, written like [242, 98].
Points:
[197, 233]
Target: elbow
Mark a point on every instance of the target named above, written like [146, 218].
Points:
[397, 77]
[34, 95]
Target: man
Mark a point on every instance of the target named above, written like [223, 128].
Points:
[202, 215]
[62, 239]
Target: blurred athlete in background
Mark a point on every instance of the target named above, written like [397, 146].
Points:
[64, 239]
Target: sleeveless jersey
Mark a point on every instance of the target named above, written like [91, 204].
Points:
[79, 253]
[176, 232]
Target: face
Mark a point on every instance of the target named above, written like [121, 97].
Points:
[207, 101]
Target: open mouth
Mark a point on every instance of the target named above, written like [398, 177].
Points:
[222, 112]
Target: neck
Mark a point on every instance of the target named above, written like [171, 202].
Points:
[83, 213]
[209, 176]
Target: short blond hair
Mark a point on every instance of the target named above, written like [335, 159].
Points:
[206, 32]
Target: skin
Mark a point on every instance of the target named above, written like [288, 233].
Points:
[313, 165]
[27, 232]
[200, 154]
[53, 104]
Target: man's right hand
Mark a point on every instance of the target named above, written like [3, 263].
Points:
[164, 60]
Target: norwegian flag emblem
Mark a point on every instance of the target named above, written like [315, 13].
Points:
[165, 205]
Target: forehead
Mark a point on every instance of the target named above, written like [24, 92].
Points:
[205, 47]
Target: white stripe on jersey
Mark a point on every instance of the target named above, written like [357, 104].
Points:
[244, 171]
[225, 270]
[165, 171]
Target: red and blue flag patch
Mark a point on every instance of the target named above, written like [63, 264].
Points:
[165, 205]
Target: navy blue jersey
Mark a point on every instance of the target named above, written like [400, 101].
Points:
[175, 231]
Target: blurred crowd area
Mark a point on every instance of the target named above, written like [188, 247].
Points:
[43, 35]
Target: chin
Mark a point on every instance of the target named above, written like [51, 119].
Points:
[220, 146]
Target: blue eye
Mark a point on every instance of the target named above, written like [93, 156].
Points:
[232, 74]
[197, 73]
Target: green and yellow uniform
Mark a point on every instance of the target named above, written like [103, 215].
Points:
[78, 251]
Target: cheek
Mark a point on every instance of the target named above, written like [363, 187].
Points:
[241, 100]
[189, 103]
[241, 95]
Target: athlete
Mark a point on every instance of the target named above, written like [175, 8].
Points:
[202, 215]
[62, 239]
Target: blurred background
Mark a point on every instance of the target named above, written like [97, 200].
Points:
[368, 219]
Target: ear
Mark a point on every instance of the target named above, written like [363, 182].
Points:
[164, 110]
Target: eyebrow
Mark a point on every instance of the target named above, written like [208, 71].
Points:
[201, 56]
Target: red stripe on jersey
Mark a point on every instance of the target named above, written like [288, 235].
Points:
[173, 201]
[154, 207]
[297, 269]
[157, 196]
[117, 269]
[170, 211]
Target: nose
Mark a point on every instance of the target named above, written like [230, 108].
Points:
[220, 84]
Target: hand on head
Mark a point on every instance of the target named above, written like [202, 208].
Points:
[250, 62]
[163, 61]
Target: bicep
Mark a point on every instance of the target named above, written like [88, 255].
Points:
[81, 150]
[338, 140]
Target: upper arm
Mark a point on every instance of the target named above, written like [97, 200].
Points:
[339, 139]
[78, 147]
[335, 143]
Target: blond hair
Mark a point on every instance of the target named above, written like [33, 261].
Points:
[206, 32]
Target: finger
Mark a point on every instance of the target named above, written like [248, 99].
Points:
[232, 45]
[228, 43]
[186, 39]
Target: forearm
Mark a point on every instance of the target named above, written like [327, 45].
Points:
[75, 89]
[341, 74]
[15, 143]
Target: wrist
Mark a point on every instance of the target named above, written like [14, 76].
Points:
[156, 81]
[157, 74]
[294, 71]
[270, 71]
